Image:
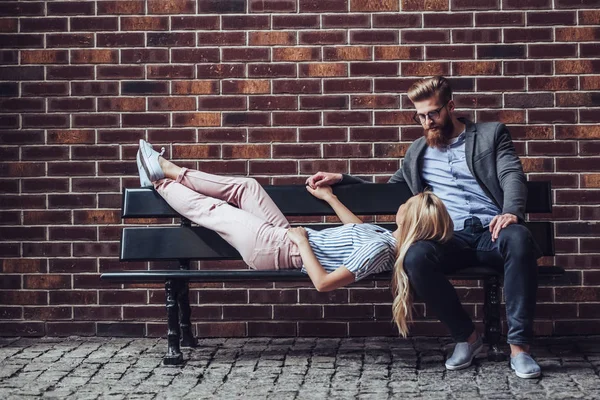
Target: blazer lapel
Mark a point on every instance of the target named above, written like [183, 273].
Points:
[411, 167]
[470, 135]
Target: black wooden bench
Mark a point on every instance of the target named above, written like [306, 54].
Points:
[185, 243]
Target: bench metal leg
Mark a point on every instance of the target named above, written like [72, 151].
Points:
[173, 356]
[187, 336]
[491, 318]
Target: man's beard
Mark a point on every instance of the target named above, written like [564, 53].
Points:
[439, 136]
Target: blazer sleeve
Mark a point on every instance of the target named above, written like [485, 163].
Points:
[510, 174]
[348, 179]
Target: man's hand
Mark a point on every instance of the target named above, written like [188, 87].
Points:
[298, 235]
[323, 178]
[321, 192]
[500, 222]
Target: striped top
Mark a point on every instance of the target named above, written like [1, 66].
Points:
[364, 249]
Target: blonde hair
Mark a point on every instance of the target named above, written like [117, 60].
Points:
[425, 218]
[428, 87]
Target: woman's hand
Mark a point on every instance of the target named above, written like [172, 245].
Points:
[321, 192]
[298, 235]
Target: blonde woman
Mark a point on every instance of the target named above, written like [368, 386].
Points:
[422, 218]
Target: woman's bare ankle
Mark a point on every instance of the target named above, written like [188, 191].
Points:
[170, 170]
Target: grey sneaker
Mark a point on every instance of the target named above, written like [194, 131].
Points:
[463, 355]
[149, 161]
[525, 366]
[144, 180]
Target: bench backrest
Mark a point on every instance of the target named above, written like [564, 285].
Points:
[185, 242]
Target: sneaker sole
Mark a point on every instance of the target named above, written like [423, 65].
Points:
[467, 364]
[526, 376]
[144, 180]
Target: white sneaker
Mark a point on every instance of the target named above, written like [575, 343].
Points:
[149, 161]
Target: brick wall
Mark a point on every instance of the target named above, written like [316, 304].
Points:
[274, 89]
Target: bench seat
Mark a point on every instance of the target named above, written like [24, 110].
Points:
[185, 243]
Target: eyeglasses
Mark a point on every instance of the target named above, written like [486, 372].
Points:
[432, 115]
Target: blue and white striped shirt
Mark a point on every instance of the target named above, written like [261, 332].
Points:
[364, 249]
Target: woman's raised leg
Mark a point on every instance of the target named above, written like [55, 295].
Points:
[244, 193]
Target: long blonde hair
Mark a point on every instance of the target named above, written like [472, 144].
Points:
[425, 218]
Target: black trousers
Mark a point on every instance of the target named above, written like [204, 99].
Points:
[427, 262]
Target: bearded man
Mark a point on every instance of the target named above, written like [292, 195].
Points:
[475, 170]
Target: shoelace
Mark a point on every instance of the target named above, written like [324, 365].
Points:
[162, 151]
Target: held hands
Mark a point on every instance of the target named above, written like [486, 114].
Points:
[500, 222]
[323, 178]
[298, 235]
[321, 192]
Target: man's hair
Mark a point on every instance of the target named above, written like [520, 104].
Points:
[428, 87]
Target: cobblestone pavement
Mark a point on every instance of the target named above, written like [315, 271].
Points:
[295, 368]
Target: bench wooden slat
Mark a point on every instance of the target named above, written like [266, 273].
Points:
[274, 276]
[196, 243]
[294, 200]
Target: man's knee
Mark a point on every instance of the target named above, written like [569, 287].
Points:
[516, 239]
[420, 259]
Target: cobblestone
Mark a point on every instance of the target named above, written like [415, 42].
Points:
[296, 368]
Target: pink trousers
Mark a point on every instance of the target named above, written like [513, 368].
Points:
[239, 210]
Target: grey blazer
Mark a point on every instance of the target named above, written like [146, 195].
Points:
[491, 158]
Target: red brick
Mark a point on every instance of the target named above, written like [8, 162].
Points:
[70, 40]
[218, 103]
[374, 37]
[243, 151]
[552, 50]
[246, 86]
[320, 6]
[246, 22]
[550, 18]
[424, 68]
[121, 72]
[246, 119]
[220, 71]
[272, 6]
[22, 9]
[70, 8]
[94, 56]
[94, 24]
[194, 87]
[476, 35]
[144, 23]
[346, 21]
[347, 118]
[300, 86]
[296, 54]
[246, 54]
[197, 119]
[200, 22]
[577, 66]
[278, 70]
[44, 56]
[171, 7]
[272, 135]
[296, 118]
[18, 41]
[121, 7]
[323, 37]
[295, 21]
[323, 70]
[273, 103]
[528, 67]
[424, 5]
[271, 38]
[273, 167]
